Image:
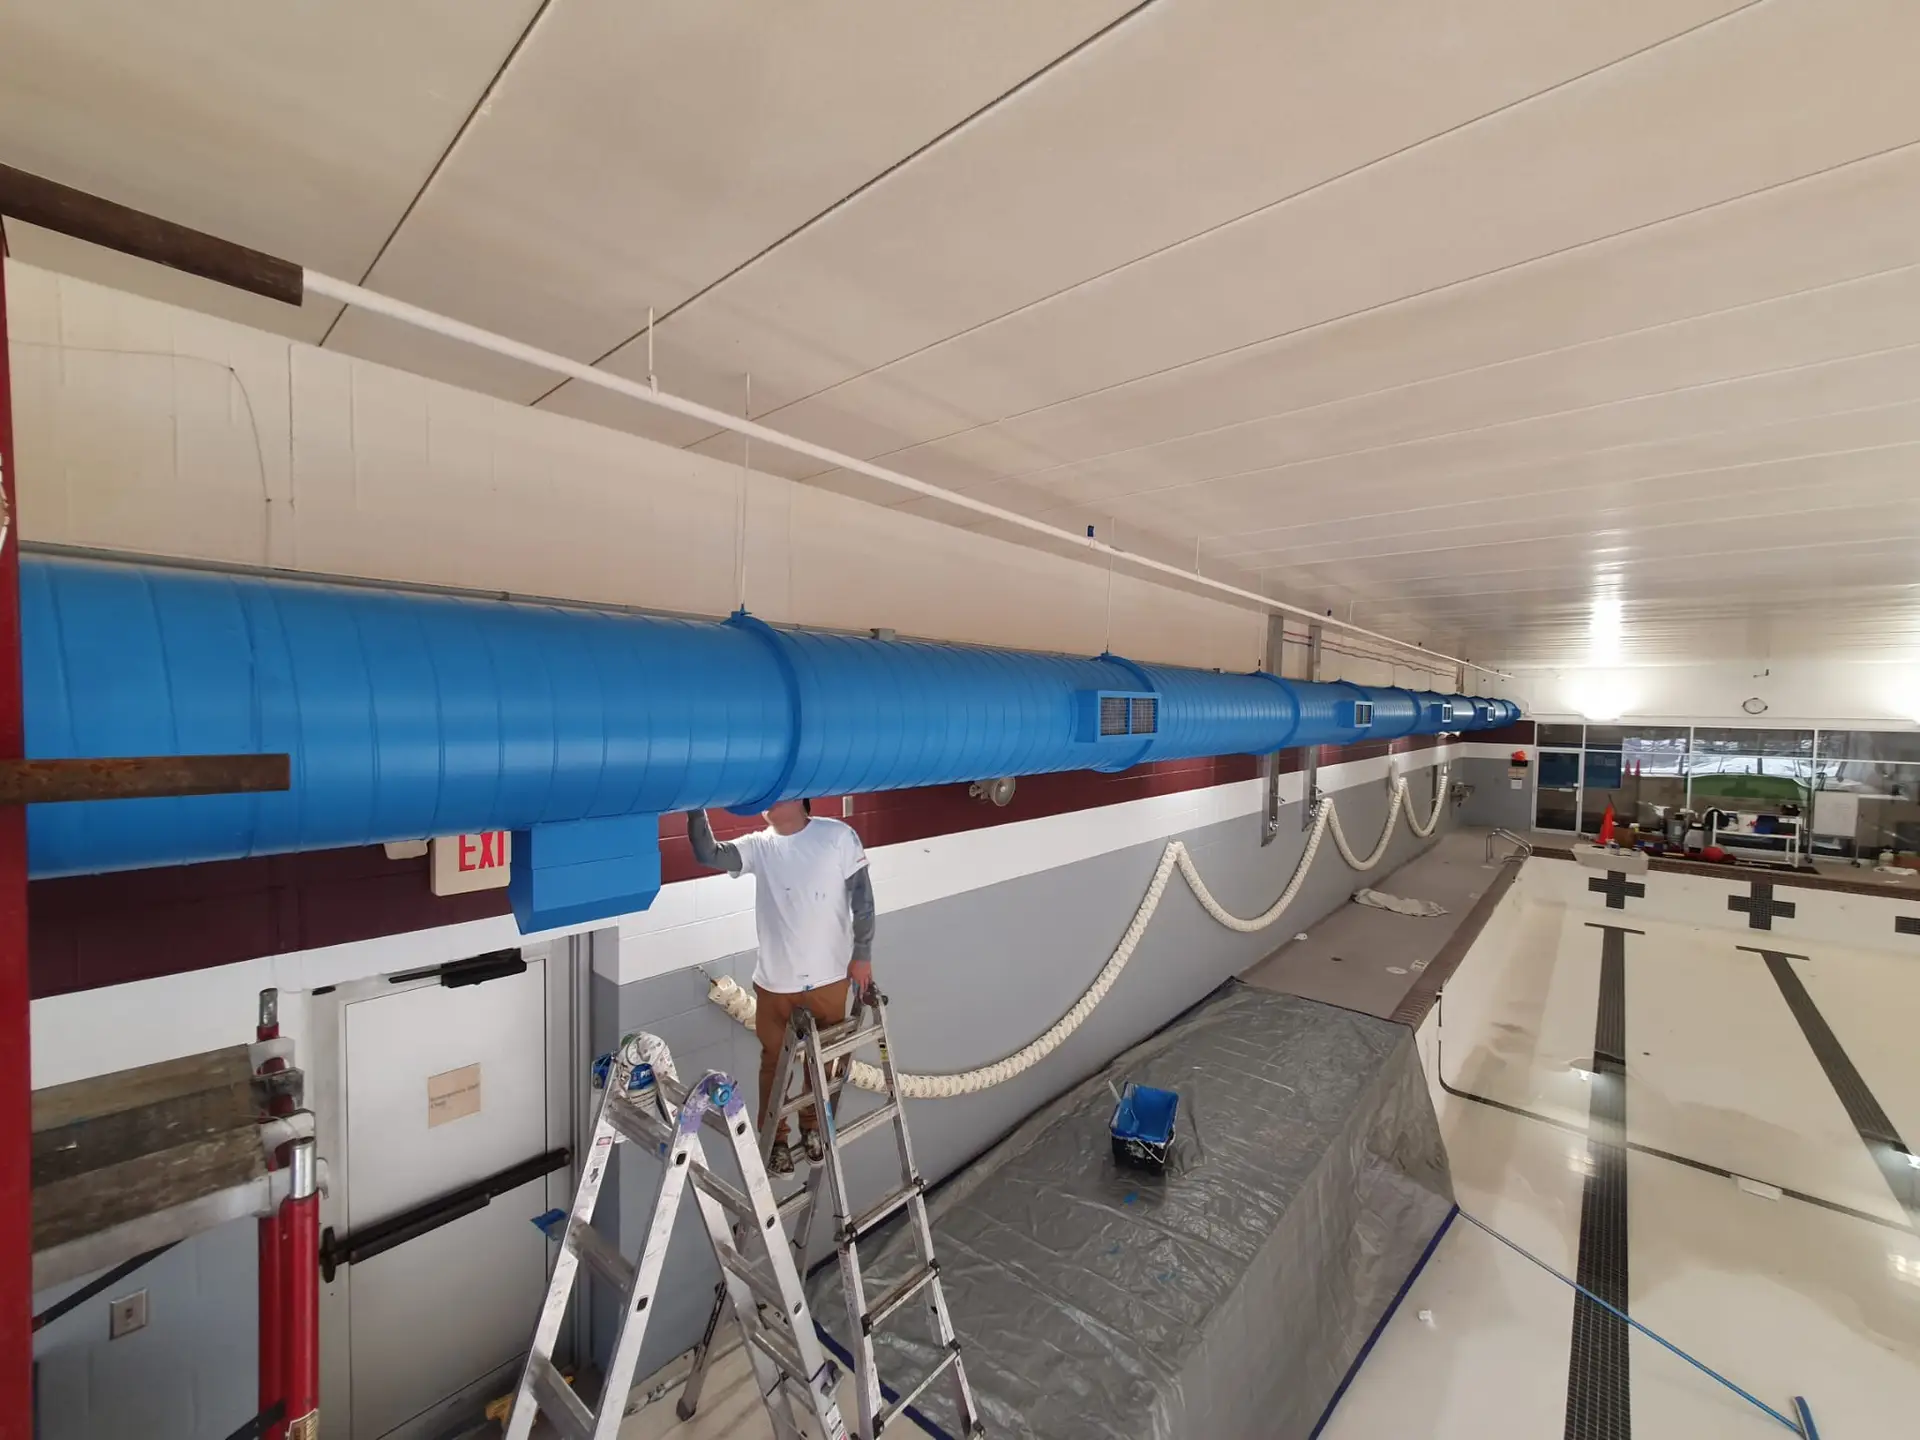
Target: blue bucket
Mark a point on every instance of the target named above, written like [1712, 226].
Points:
[1142, 1127]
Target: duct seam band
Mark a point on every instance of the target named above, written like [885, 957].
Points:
[727, 993]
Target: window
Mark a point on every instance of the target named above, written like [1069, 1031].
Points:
[1893, 746]
[1640, 770]
[1712, 740]
[1868, 796]
[1862, 786]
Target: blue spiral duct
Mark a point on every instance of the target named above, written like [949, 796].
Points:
[410, 715]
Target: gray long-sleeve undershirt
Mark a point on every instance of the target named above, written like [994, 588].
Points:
[725, 855]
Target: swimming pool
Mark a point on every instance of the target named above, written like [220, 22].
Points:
[1698, 1092]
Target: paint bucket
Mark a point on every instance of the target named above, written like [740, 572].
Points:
[1142, 1127]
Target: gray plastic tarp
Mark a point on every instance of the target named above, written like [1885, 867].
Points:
[1226, 1299]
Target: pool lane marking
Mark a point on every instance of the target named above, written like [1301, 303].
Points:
[1876, 1130]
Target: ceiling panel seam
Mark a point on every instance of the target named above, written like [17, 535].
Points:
[1493, 425]
[1380, 308]
[1507, 499]
[479, 105]
[966, 122]
[1437, 378]
[1478, 577]
[1259, 210]
[1525, 464]
[1585, 533]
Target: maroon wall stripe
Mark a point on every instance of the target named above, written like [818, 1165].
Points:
[87, 931]
[1520, 732]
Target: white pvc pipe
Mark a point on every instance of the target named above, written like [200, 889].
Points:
[351, 294]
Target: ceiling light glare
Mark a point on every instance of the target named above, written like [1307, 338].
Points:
[1605, 626]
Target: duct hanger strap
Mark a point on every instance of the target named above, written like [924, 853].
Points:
[739, 1003]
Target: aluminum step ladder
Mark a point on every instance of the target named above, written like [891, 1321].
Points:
[823, 1059]
[644, 1104]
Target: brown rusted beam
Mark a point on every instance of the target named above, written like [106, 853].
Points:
[49, 782]
[52, 206]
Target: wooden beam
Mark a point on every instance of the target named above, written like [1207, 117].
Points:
[50, 782]
[52, 206]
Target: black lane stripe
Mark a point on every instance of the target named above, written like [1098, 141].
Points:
[1598, 1376]
[1636, 1148]
[1875, 1129]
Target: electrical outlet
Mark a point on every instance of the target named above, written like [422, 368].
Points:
[127, 1314]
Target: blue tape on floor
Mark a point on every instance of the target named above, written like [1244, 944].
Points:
[1381, 1328]
[1657, 1339]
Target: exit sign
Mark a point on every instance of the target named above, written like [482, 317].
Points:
[480, 861]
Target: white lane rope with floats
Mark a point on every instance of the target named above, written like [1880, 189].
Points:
[728, 994]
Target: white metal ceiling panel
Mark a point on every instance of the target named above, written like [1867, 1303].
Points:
[1810, 332]
[1372, 479]
[1801, 238]
[300, 129]
[634, 154]
[1192, 116]
[1593, 158]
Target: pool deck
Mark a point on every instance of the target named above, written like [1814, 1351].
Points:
[1377, 961]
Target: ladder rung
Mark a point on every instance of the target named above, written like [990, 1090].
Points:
[777, 1350]
[791, 1206]
[794, 1104]
[731, 1200]
[606, 1262]
[844, 1039]
[763, 1288]
[637, 1125]
[899, 1296]
[873, 1120]
[863, 1223]
[836, 1032]
[892, 1412]
[557, 1400]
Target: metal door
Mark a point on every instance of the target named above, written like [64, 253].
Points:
[444, 1088]
[1556, 795]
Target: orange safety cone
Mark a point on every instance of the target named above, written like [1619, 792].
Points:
[1606, 826]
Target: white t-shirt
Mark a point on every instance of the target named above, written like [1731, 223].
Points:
[800, 902]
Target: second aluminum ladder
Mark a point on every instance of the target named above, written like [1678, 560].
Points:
[823, 1059]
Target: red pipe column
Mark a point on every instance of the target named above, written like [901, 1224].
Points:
[16, 1083]
[273, 1304]
[300, 1277]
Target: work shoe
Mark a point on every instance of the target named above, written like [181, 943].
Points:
[780, 1159]
[816, 1147]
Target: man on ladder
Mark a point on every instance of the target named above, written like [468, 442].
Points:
[813, 917]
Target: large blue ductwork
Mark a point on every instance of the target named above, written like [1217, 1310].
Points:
[410, 715]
